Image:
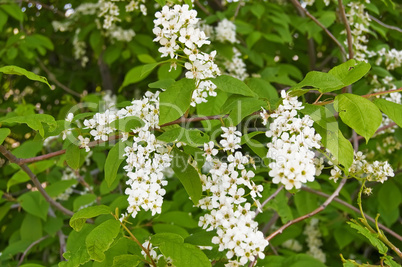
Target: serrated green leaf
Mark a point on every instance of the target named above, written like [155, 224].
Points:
[359, 114]
[187, 175]
[127, 124]
[14, 70]
[232, 85]
[373, 238]
[79, 218]
[175, 100]
[34, 121]
[100, 239]
[126, 260]
[34, 203]
[73, 156]
[112, 163]
[393, 110]
[350, 72]
[390, 262]
[4, 132]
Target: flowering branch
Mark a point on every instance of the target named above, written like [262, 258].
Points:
[308, 215]
[344, 203]
[34, 179]
[316, 21]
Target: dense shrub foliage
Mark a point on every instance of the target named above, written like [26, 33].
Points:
[200, 133]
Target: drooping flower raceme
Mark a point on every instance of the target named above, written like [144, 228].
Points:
[177, 32]
[226, 185]
[290, 149]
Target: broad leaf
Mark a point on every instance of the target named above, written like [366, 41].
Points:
[127, 124]
[14, 70]
[79, 218]
[175, 100]
[180, 218]
[73, 155]
[358, 113]
[4, 132]
[34, 121]
[191, 137]
[393, 110]
[100, 239]
[324, 82]
[350, 72]
[126, 260]
[137, 74]
[187, 175]
[232, 85]
[112, 163]
[34, 203]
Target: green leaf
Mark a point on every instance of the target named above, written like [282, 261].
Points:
[389, 196]
[145, 58]
[113, 162]
[34, 203]
[36, 168]
[31, 228]
[76, 251]
[393, 110]
[170, 228]
[180, 218]
[79, 218]
[187, 175]
[126, 260]
[73, 155]
[14, 11]
[372, 237]
[100, 239]
[14, 70]
[232, 85]
[191, 137]
[201, 238]
[4, 132]
[3, 19]
[332, 137]
[243, 108]
[322, 81]
[175, 100]
[34, 121]
[350, 72]
[262, 88]
[162, 84]
[137, 74]
[358, 113]
[182, 254]
[127, 124]
[59, 187]
[83, 200]
[302, 260]
[390, 262]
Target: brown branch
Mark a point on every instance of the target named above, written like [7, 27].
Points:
[53, 78]
[386, 25]
[308, 215]
[194, 119]
[29, 248]
[269, 199]
[344, 203]
[34, 179]
[347, 27]
[200, 6]
[316, 21]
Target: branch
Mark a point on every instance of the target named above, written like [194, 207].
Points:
[347, 27]
[200, 6]
[385, 25]
[53, 78]
[344, 203]
[55, 10]
[34, 179]
[316, 21]
[269, 199]
[308, 215]
[29, 248]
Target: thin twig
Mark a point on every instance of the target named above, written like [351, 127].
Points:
[308, 215]
[269, 199]
[386, 25]
[200, 6]
[29, 248]
[344, 203]
[316, 21]
[62, 243]
[55, 10]
[347, 27]
[34, 179]
[53, 78]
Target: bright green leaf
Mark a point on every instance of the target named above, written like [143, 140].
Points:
[350, 72]
[14, 11]
[127, 124]
[34, 121]
[180, 218]
[392, 110]
[192, 137]
[73, 155]
[4, 132]
[79, 218]
[137, 74]
[359, 114]
[232, 85]
[126, 260]
[113, 162]
[14, 70]
[187, 175]
[34, 203]
[146, 59]
[175, 100]
[100, 239]
[372, 237]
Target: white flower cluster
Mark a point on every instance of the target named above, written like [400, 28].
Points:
[292, 244]
[226, 31]
[79, 49]
[176, 31]
[392, 58]
[110, 11]
[236, 67]
[290, 148]
[230, 214]
[313, 240]
[156, 254]
[146, 159]
[378, 171]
